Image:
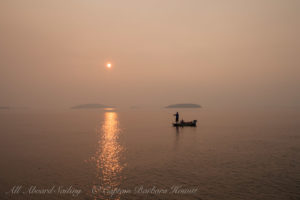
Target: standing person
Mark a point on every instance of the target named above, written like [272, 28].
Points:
[177, 117]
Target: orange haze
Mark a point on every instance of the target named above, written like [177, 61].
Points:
[215, 53]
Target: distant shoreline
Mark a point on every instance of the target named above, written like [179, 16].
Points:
[5, 108]
[91, 106]
[183, 105]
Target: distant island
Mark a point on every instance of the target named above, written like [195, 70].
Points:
[12, 107]
[91, 106]
[5, 107]
[134, 107]
[183, 105]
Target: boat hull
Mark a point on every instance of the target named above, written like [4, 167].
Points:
[182, 124]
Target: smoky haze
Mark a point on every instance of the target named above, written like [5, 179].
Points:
[215, 53]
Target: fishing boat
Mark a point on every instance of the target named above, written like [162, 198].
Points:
[183, 123]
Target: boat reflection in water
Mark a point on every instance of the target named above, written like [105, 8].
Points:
[108, 158]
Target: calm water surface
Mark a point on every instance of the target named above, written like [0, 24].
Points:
[137, 154]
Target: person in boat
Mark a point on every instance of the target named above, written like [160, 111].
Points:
[176, 117]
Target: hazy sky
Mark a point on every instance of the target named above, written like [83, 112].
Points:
[212, 52]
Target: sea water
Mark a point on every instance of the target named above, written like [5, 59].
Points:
[137, 154]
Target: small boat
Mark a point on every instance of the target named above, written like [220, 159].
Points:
[183, 123]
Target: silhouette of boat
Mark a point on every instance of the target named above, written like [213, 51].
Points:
[183, 123]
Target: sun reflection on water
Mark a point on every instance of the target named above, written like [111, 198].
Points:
[108, 156]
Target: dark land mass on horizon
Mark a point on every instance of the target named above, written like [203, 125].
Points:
[12, 107]
[91, 106]
[183, 105]
[5, 107]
